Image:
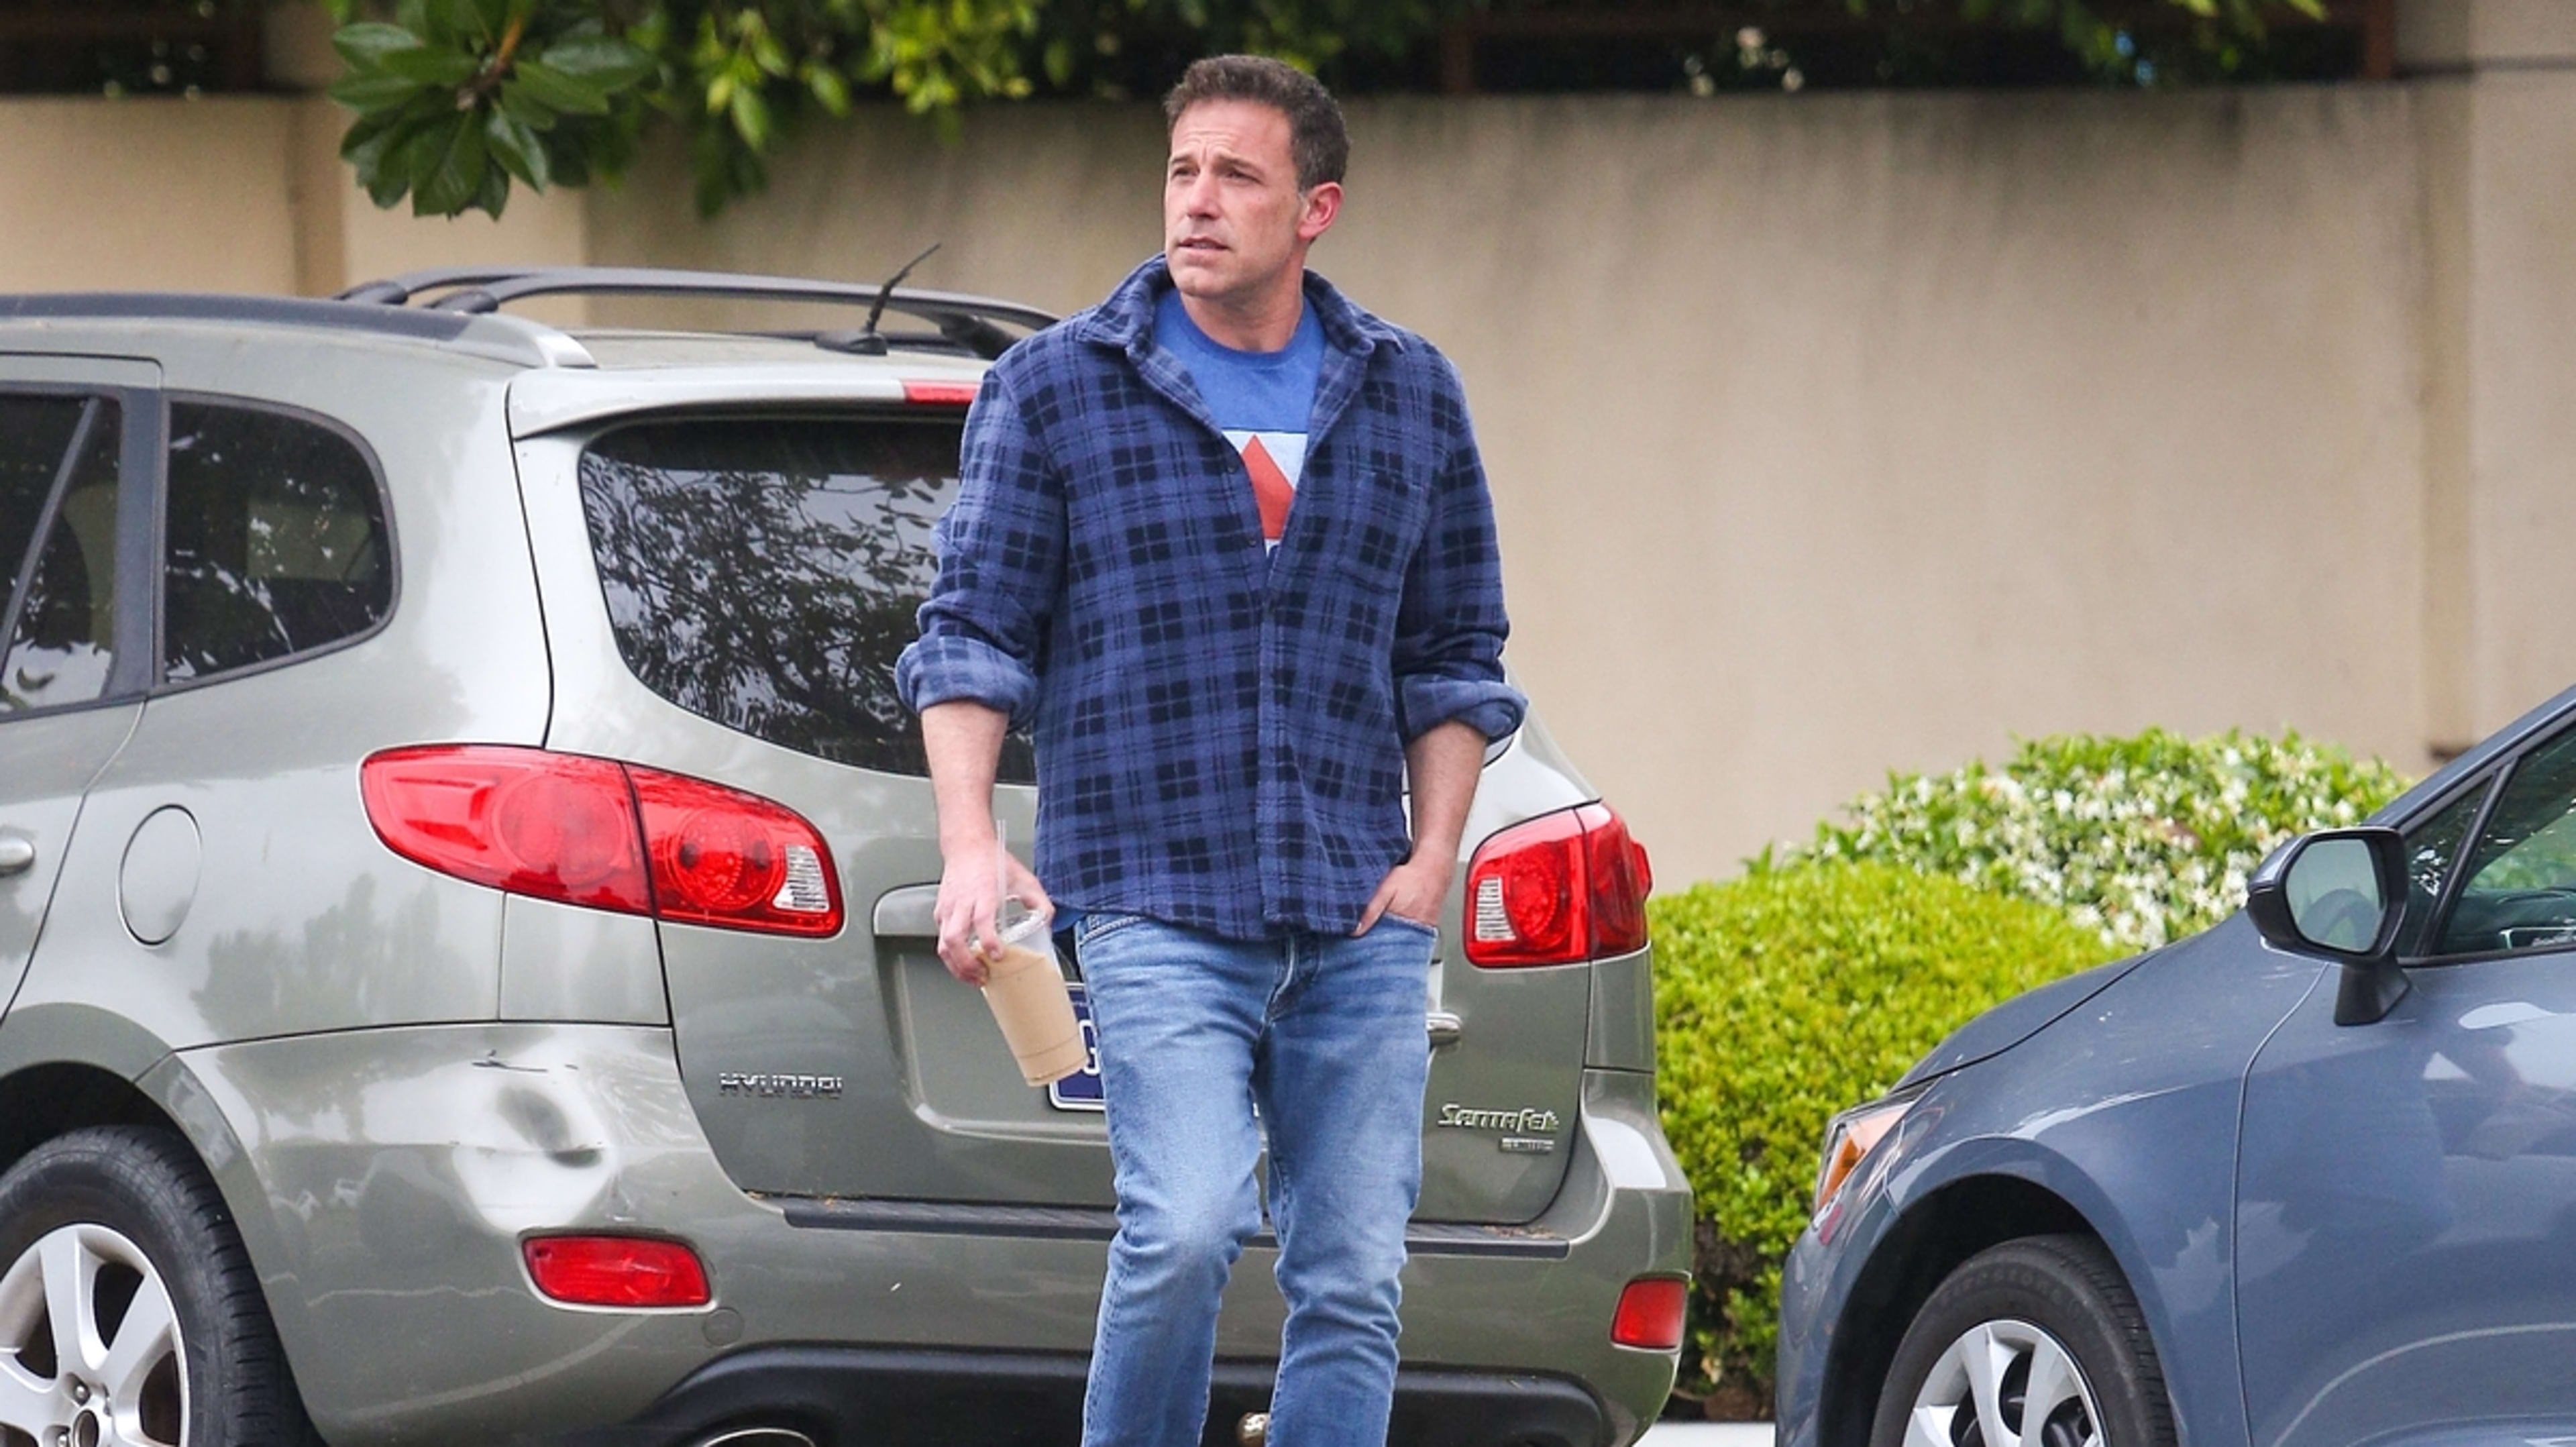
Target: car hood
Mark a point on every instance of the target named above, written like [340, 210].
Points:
[2017, 1019]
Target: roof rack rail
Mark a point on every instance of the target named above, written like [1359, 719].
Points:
[963, 321]
[224, 307]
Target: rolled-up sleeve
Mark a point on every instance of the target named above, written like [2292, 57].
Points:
[1451, 625]
[1001, 559]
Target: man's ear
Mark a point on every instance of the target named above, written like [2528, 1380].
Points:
[1323, 202]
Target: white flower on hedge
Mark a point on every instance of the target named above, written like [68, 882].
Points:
[2144, 839]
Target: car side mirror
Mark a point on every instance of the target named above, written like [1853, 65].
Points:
[2339, 894]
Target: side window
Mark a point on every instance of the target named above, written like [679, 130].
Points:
[2431, 849]
[2519, 888]
[34, 432]
[64, 636]
[276, 540]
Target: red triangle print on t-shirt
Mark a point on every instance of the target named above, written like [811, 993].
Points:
[1270, 488]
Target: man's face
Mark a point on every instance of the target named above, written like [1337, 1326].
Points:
[1233, 218]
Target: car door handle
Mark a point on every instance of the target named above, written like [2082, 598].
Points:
[17, 854]
[1445, 1028]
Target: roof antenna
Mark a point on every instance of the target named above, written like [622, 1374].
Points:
[866, 341]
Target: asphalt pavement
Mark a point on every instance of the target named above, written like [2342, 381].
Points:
[1707, 1434]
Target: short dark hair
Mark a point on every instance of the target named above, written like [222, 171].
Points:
[1316, 140]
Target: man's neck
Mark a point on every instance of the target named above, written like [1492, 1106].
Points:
[1266, 323]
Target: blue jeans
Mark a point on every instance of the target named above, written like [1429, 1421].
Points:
[1325, 1035]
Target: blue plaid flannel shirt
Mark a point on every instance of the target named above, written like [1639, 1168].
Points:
[1219, 733]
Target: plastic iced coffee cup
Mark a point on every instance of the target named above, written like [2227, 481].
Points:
[1025, 987]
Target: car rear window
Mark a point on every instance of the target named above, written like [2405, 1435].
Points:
[765, 572]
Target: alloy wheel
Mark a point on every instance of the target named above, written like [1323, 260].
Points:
[2004, 1384]
[90, 1348]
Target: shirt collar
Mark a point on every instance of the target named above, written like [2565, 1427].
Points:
[1126, 319]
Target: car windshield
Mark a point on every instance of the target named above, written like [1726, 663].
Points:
[764, 572]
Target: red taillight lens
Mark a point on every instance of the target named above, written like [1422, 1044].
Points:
[940, 394]
[555, 826]
[724, 857]
[1525, 895]
[1619, 883]
[630, 1271]
[595, 832]
[1557, 890]
[1650, 1313]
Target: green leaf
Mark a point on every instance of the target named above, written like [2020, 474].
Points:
[407, 165]
[518, 148]
[361, 45]
[494, 193]
[526, 109]
[370, 135]
[455, 175]
[830, 91]
[557, 91]
[367, 91]
[611, 65]
[569, 158]
[373, 149]
[431, 65]
[386, 186]
[751, 119]
[471, 19]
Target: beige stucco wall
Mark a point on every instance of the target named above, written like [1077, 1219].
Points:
[2497, 97]
[150, 193]
[225, 194]
[1829, 434]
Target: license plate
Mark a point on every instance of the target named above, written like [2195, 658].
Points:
[1081, 1090]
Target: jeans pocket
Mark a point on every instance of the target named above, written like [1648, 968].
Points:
[1100, 923]
[1427, 931]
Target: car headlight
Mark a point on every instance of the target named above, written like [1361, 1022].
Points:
[1850, 1137]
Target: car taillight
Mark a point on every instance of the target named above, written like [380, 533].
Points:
[1557, 890]
[595, 832]
[940, 394]
[1651, 1313]
[629, 1271]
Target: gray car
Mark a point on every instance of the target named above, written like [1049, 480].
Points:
[465, 919]
[2307, 1179]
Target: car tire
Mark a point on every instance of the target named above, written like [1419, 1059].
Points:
[2048, 1309]
[170, 1341]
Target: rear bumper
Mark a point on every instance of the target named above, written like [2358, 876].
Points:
[384, 1180]
[992, 1399]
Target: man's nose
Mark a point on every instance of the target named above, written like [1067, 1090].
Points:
[1198, 195]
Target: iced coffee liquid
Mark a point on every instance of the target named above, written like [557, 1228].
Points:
[1026, 990]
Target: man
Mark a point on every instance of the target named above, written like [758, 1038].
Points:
[1223, 542]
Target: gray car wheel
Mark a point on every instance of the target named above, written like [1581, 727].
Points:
[129, 1315]
[2034, 1343]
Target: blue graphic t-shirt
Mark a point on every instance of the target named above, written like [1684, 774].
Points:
[1261, 400]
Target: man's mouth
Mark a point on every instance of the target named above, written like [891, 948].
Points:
[1198, 243]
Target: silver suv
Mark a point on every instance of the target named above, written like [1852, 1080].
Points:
[465, 919]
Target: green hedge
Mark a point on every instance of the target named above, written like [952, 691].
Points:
[2147, 838]
[1811, 984]
[1788, 995]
